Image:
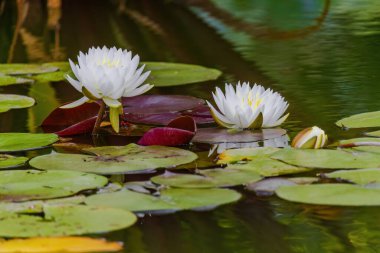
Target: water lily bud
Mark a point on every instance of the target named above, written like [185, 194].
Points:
[244, 107]
[311, 137]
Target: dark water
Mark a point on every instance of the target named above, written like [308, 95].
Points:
[323, 56]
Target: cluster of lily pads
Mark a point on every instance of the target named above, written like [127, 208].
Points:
[62, 193]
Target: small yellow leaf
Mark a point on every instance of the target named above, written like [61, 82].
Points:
[114, 118]
[58, 244]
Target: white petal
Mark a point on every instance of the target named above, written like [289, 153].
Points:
[76, 103]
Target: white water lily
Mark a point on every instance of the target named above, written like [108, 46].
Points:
[248, 107]
[311, 137]
[108, 74]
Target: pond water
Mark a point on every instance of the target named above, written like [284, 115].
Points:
[321, 55]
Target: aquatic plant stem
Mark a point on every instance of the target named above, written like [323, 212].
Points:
[99, 119]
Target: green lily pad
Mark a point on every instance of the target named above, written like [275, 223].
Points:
[246, 154]
[10, 101]
[172, 74]
[207, 178]
[172, 199]
[116, 159]
[8, 161]
[267, 167]
[13, 142]
[367, 119]
[9, 80]
[36, 206]
[22, 185]
[328, 159]
[373, 134]
[65, 220]
[64, 68]
[25, 69]
[331, 194]
[363, 139]
[363, 176]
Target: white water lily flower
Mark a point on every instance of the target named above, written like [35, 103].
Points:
[248, 107]
[108, 74]
[311, 137]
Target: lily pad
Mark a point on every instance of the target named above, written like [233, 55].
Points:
[328, 159]
[58, 244]
[22, 185]
[207, 178]
[220, 135]
[10, 80]
[267, 167]
[373, 134]
[331, 194]
[10, 101]
[246, 154]
[65, 220]
[36, 206]
[25, 69]
[8, 161]
[367, 119]
[169, 199]
[147, 104]
[172, 74]
[178, 132]
[13, 142]
[363, 176]
[64, 68]
[366, 144]
[116, 159]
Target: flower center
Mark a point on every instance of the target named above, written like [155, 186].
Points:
[107, 62]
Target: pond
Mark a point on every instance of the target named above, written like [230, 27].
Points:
[321, 55]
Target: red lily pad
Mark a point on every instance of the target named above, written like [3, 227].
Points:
[200, 114]
[73, 121]
[219, 135]
[178, 132]
[160, 103]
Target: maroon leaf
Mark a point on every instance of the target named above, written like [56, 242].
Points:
[73, 121]
[151, 118]
[160, 103]
[85, 126]
[67, 117]
[179, 131]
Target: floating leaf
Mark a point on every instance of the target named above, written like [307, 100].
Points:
[267, 167]
[8, 161]
[220, 135]
[116, 159]
[331, 194]
[168, 199]
[9, 80]
[373, 134]
[22, 185]
[25, 69]
[246, 154]
[13, 142]
[366, 144]
[64, 68]
[73, 121]
[267, 187]
[178, 132]
[171, 74]
[203, 161]
[363, 176]
[65, 220]
[146, 104]
[368, 119]
[58, 244]
[36, 206]
[328, 159]
[10, 101]
[208, 178]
